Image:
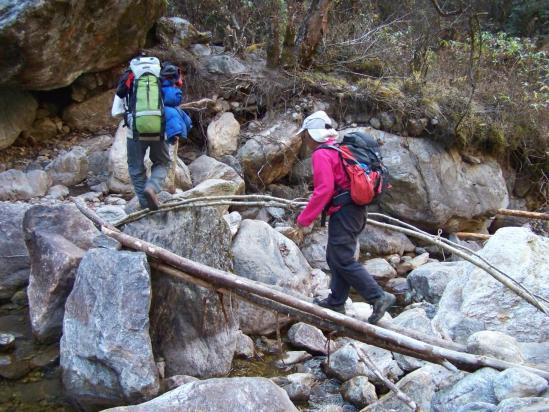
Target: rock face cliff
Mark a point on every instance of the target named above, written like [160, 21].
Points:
[47, 44]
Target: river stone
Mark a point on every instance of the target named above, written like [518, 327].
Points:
[189, 328]
[475, 387]
[224, 64]
[69, 168]
[206, 167]
[292, 357]
[222, 135]
[245, 347]
[524, 405]
[380, 269]
[56, 238]
[297, 385]
[261, 253]
[17, 185]
[418, 385]
[220, 395]
[345, 364]
[477, 407]
[496, 345]
[362, 311]
[106, 352]
[474, 301]
[91, 115]
[49, 44]
[378, 241]
[14, 257]
[411, 264]
[432, 186]
[429, 281]
[7, 342]
[536, 354]
[359, 391]
[17, 113]
[58, 192]
[518, 383]
[308, 337]
[271, 154]
[314, 248]
[417, 320]
[212, 187]
[176, 381]
[111, 213]
[119, 178]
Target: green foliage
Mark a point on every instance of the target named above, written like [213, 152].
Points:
[529, 18]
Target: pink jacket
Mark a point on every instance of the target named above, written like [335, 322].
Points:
[328, 174]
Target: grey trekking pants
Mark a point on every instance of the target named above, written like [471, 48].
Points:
[343, 229]
[160, 158]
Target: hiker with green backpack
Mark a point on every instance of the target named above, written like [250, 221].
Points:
[150, 95]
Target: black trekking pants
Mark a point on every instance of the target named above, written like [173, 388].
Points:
[343, 229]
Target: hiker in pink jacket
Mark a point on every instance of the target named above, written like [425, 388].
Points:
[347, 220]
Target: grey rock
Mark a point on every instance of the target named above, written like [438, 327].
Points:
[31, 57]
[16, 185]
[222, 135]
[233, 219]
[69, 168]
[201, 50]
[429, 281]
[535, 354]
[474, 301]
[417, 126]
[261, 253]
[297, 385]
[314, 248]
[91, 115]
[244, 346]
[375, 123]
[359, 391]
[97, 144]
[224, 64]
[7, 342]
[178, 380]
[524, 405]
[387, 120]
[205, 168]
[178, 32]
[106, 242]
[188, 325]
[270, 154]
[518, 383]
[496, 345]
[362, 311]
[17, 114]
[14, 257]
[475, 387]
[58, 192]
[345, 363]
[56, 238]
[411, 264]
[111, 213]
[302, 172]
[380, 269]
[220, 395]
[308, 337]
[212, 187]
[477, 407]
[418, 385]
[433, 187]
[417, 320]
[106, 351]
[292, 357]
[380, 242]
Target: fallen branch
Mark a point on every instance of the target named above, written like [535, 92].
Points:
[364, 358]
[523, 213]
[472, 236]
[201, 104]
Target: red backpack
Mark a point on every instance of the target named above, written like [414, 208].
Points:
[361, 158]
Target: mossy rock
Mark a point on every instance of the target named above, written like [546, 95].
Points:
[372, 67]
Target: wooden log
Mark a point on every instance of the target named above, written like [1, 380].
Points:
[382, 337]
[472, 236]
[523, 213]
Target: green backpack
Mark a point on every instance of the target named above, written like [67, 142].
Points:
[146, 107]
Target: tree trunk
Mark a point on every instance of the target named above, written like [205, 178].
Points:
[273, 42]
[311, 31]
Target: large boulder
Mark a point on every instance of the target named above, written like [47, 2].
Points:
[48, 44]
[429, 281]
[106, 352]
[206, 167]
[474, 301]
[69, 168]
[178, 32]
[17, 113]
[518, 383]
[17, 185]
[91, 115]
[223, 135]
[56, 238]
[14, 257]
[263, 254]
[192, 328]
[224, 64]
[270, 155]
[220, 395]
[314, 249]
[378, 241]
[434, 188]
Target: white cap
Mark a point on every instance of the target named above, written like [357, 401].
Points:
[319, 126]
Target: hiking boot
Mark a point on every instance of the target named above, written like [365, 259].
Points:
[152, 200]
[380, 306]
[324, 303]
